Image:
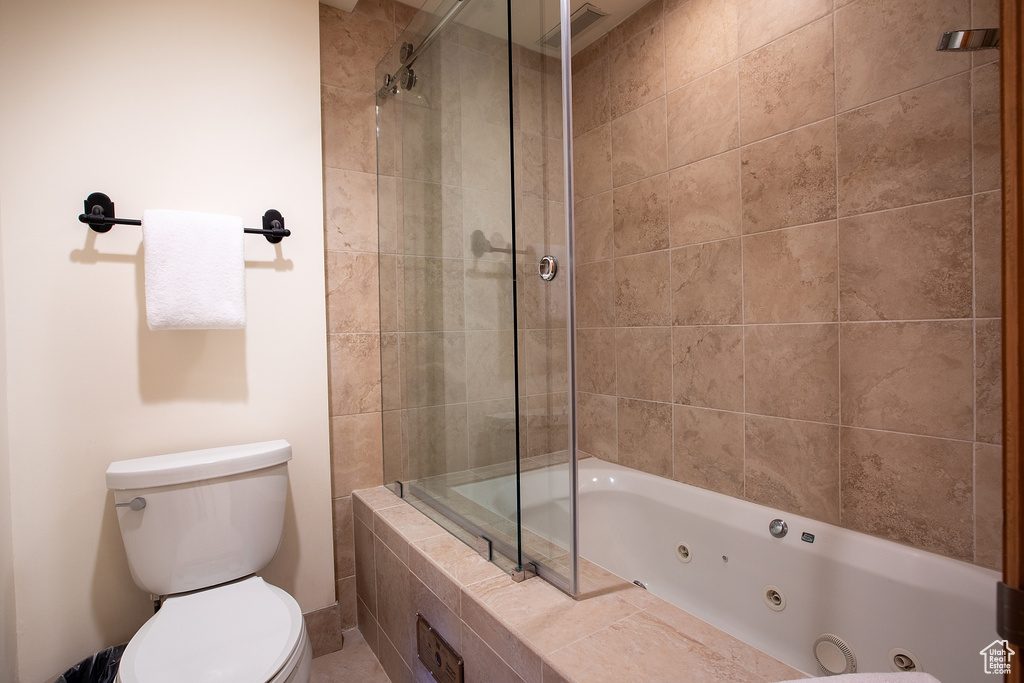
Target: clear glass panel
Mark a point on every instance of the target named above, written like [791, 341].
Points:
[543, 323]
[448, 330]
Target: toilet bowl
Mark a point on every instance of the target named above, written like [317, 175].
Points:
[196, 527]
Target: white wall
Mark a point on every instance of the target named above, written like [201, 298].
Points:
[189, 104]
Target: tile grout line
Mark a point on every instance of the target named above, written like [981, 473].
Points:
[839, 297]
[974, 326]
[743, 311]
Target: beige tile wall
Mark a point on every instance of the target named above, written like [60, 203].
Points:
[351, 43]
[788, 245]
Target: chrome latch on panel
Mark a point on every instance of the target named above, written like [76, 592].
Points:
[548, 268]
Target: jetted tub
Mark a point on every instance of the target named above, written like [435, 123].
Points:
[713, 556]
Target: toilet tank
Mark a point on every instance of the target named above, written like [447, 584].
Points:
[210, 516]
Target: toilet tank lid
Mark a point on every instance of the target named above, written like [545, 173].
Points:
[189, 466]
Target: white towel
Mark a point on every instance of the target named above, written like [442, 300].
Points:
[908, 677]
[195, 270]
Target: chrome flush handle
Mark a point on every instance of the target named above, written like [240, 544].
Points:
[135, 504]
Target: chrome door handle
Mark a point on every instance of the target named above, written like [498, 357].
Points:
[548, 268]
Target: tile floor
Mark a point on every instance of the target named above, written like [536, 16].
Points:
[354, 662]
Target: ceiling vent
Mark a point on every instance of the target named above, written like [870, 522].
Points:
[579, 21]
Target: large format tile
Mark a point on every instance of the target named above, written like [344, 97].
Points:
[433, 292]
[595, 294]
[433, 368]
[432, 219]
[591, 105]
[549, 620]
[643, 363]
[988, 505]
[793, 466]
[597, 430]
[986, 136]
[482, 664]
[790, 179]
[908, 149]
[491, 432]
[705, 202]
[645, 436]
[656, 654]
[642, 291]
[490, 368]
[914, 377]
[707, 284]
[504, 641]
[592, 162]
[351, 44]
[640, 217]
[988, 255]
[700, 36]
[637, 71]
[354, 662]
[356, 452]
[762, 21]
[348, 129]
[707, 366]
[790, 275]
[788, 83]
[708, 449]
[595, 359]
[483, 87]
[910, 489]
[728, 646]
[639, 145]
[595, 231]
[355, 373]
[884, 48]
[988, 381]
[352, 294]
[350, 208]
[907, 264]
[793, 371]
[540, 163]
[438, 440]
[703, 117]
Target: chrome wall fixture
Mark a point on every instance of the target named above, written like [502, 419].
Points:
[969, 40]
[405, 78]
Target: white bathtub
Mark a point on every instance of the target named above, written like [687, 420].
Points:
[877, 596]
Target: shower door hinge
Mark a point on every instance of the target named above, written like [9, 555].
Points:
[1010, 613]
[528, 571]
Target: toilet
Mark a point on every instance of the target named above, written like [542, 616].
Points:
[196, 527]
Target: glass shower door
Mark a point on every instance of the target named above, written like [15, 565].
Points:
[445, 212]
[474, 343]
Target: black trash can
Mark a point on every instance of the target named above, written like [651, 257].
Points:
[100, 668]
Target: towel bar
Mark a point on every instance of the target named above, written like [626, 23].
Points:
[99, 215]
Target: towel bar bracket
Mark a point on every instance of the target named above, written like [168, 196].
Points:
[99, 215]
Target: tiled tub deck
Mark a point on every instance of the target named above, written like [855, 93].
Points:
[530, 631]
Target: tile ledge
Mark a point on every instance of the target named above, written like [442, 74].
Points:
[727, 642]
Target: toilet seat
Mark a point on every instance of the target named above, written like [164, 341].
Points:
[243, 632]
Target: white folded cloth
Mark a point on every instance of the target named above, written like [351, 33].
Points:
[195, 270]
